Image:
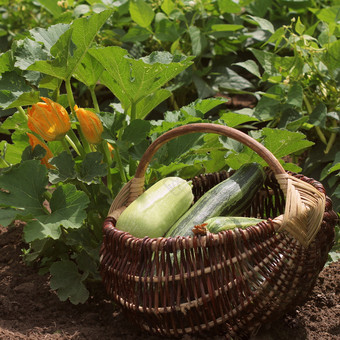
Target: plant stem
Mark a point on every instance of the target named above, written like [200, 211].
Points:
[65, 145]
[317, 128]
[320, 134]
[71, 102]
[119, 164]
[70, 97]
[3, 163]
[94, 99]
[74, 142]
[331, 139]
[84, 188]
[133, 111]
[22, 112]
[47, 195]
[107, 155]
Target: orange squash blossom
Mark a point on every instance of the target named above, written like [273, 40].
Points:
[90, 124]
[49, 120]
[110, 149]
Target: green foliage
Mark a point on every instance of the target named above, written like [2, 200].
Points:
[146, 67]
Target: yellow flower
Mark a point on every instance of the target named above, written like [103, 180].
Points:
[34, 141]
[49, 120]
[90, 125]
[111, 148]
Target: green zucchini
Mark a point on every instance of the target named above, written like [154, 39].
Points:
[157, 209]
[219, 223]
[228, 198]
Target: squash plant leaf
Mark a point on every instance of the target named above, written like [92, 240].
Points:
[68, 282]
[147, 104]
[89, 70]
[65, 170]
[67, 210]
[27, 51]
[233, 119]
[50, 35]
[130, 80]
[136, 131]
[6, 62]
[282, 142]
[7, 215]
[92, 167]
[14, 91]
[23, 187]
[72, 46]
[12, 152]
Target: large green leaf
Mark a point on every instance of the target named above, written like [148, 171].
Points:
[72, 46]
[6, 62]
[233, 119]
[136, 131]
[14, 91]
[27, 51]
[68, 282]
[89, 70]
[7, 216]
[24, 186]
[64, 168]
[148, 103]
[92, 167]
[50, 35]
[12, 151]
[282, 142]
[130, 80]
[67, 209]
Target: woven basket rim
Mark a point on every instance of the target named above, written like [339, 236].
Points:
[276, 223]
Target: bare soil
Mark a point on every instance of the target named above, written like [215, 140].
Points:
[30, 310]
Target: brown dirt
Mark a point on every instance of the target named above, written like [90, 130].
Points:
[30, 310]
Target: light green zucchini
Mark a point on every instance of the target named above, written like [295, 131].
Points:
[157, 209]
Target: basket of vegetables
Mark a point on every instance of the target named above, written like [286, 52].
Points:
[223, 253]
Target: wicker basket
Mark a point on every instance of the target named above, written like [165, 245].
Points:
[227, 283]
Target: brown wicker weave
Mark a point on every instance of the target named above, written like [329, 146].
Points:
[227, 283]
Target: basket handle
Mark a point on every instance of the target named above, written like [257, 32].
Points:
[305, 205]
[273, 163]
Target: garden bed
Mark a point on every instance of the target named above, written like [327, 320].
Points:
[30, 310]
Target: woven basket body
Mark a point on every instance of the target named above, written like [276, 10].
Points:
[226, 283]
